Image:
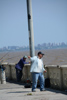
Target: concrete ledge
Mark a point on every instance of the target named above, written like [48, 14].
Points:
[56, 73]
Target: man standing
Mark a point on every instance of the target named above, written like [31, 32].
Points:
[37, 69]
[19, 66]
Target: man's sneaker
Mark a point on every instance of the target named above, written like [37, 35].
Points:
[42, 90]
[34, 90]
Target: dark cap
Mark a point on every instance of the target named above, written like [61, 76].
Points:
[40, 53]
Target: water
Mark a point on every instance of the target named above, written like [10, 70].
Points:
[52, 57]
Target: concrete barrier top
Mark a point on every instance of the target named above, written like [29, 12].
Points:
[63, 66]
[55, 66]
[13, 64]
[51, 66]
[46, 66]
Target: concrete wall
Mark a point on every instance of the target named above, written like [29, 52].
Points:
[57, 74]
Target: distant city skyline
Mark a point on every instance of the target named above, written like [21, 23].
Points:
[38, 47]
[40, 44]
[49, 22]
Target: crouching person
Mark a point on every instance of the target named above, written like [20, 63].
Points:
[19, 67]
[37, 69]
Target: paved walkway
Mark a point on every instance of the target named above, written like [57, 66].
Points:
[13, 91]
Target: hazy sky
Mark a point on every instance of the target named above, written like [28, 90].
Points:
[49, 22]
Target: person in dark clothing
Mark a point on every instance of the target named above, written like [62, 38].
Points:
[19, 67]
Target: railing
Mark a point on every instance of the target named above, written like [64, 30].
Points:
[56, 74]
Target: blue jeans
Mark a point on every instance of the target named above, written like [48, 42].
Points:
[35, 77]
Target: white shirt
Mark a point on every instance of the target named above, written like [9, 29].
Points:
[40, 65]
[37, 65]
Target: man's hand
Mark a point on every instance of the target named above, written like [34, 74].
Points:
[29, 57]
[45, 71]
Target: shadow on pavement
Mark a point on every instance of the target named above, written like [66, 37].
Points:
[56, 91]
[47, 89]
[15, 82]
[19, 92]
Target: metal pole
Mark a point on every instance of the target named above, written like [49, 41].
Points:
[30, 28]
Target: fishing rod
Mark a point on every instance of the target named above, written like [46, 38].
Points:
[10, 58]
[7, 58]
[4, 56]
